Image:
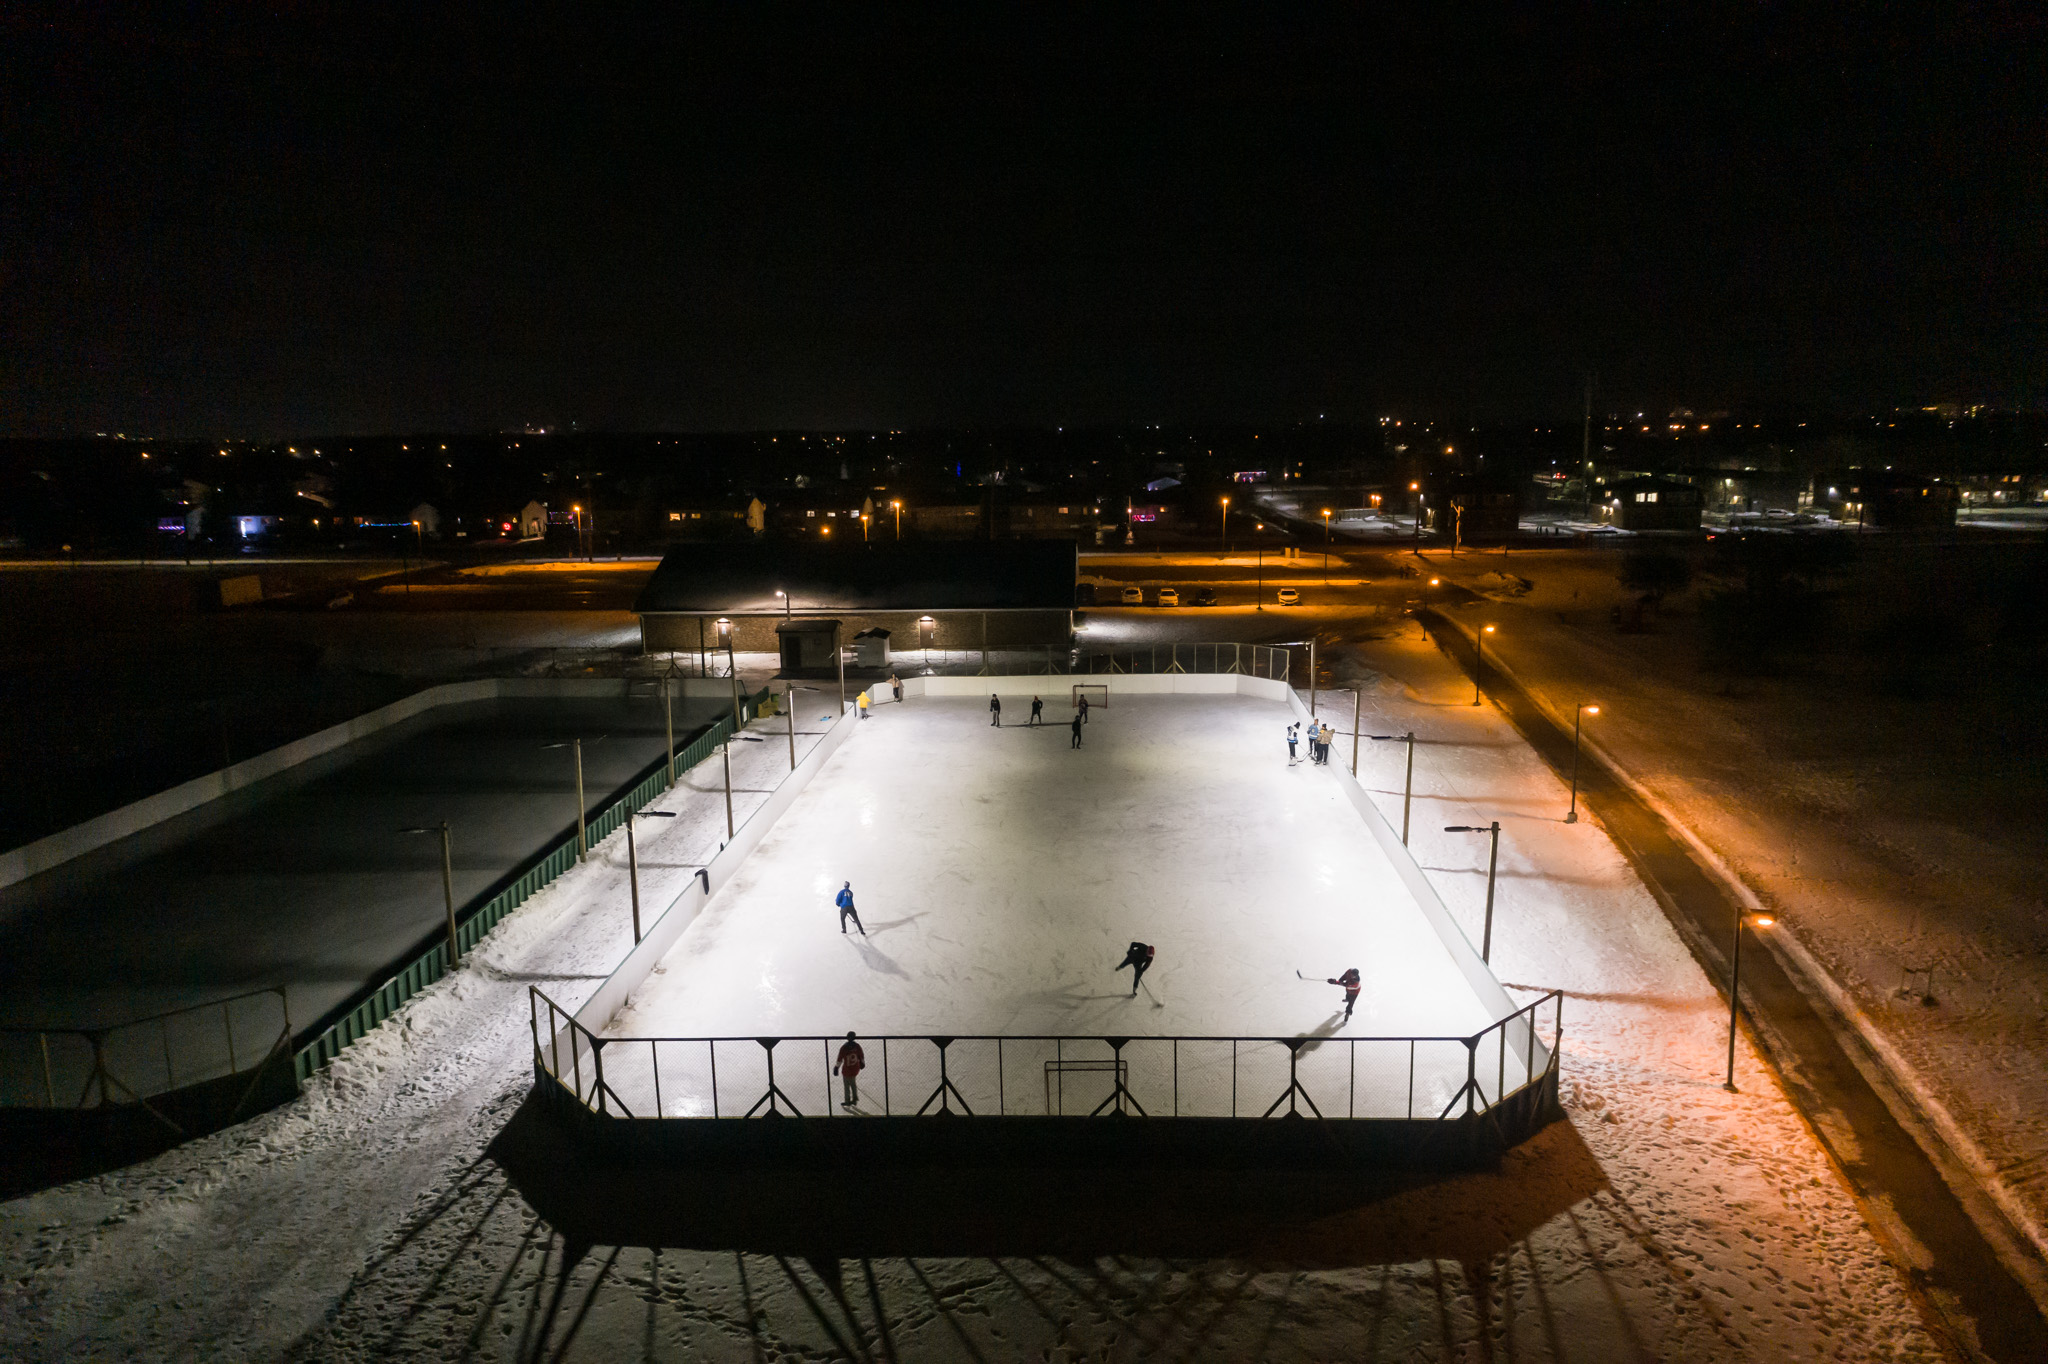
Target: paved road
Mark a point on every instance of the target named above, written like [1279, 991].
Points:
[310, 886]
[1945, 1254]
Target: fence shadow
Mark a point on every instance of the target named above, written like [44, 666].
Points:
[1293, 1218]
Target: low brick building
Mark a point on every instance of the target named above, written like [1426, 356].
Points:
[780, 597]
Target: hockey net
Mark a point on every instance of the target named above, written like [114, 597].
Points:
[1096, 692]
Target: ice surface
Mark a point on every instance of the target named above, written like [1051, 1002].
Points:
[1001, 876]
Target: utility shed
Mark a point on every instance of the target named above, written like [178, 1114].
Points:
[960, 596]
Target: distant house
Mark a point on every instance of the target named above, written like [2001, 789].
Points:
[1883, 497]
[1651, 504]
[533, 521]
[427, 518]
[796, 599]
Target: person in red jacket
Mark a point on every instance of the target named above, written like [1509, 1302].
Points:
[1350, 981]
[852, 1060]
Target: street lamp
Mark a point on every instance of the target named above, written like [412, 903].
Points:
[863, 527]
[633, 861]
[1408, 786]
[1225, 526]
[1479, 659]
[1260, 546]
[898, 505]
[1416, 488]
[732, 668]
[1735, 985]
[787, 605]
[576, 746]
[447, 882]
[1326, 547]
[1492, 863]
[1572, 815]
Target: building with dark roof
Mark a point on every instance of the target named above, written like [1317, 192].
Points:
[797, 599]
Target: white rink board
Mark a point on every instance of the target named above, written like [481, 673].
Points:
[1001, 875]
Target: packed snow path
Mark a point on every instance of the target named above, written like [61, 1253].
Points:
[364, 1222]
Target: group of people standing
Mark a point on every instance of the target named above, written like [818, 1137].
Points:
[1320, 737]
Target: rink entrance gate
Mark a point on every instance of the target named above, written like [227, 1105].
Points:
[1441, 1101]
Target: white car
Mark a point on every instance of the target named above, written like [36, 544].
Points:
[1288, 596]
[1169, 596]
[1133, 596]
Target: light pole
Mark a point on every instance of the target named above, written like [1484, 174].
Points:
[1326, 547]
[839, 652]
[1735, 985]
[1572, 815]
[668, 717]
[1259, 546]
[1224, 528]
[732, 669]
[1408, 785]
[447, 882]
[725, 753]
[1416, 488]
[897, 505]
[576, 746]
[787, 605]
[1492, 862]
[633, 861]
[1479, 658]
[863, 527]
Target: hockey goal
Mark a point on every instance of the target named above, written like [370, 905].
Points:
[1096, 692]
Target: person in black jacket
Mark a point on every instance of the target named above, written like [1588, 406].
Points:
[1037, 709]
[1350, 981]
[995, 710]
[1139, 958]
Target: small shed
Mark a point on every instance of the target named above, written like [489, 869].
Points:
[427, 517]
[533, 521]
[809, 647]
[871, 648]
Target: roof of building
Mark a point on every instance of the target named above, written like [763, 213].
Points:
[708, 579]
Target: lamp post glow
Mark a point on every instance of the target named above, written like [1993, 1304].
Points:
[1408, 784]
[732, 669]
[1492, 864]
[898, 506]
[1260, 547]
[1479, 658]
[1225, 526]
[1578, 715]
[633, 861]
[1735, 985]
[1326, 547]
[447, 882]
[1416, 488]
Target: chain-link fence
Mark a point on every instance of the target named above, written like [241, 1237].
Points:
[1045, 1076]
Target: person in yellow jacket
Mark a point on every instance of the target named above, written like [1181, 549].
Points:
[863, 703]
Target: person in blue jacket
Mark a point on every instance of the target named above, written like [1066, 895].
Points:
[847, 911]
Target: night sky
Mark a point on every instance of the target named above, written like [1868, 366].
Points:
[301, 220]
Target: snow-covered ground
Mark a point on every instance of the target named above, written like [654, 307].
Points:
[1849, 816]
[1667, 1220]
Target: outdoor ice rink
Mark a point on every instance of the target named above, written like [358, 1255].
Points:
[1001, 875]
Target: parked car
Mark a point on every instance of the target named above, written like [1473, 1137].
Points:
[1204, 596]
[1134, 596]
[1288, 596]
[1169, 596]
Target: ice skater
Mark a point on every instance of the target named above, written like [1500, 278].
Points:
[1139, 959]
[995, 710]
[1293, 737]
[1082, 706]
[852, 1060]
[862, 702]
[896, 686]
[846, 910]
[1077, 733]
[1350, 981]
[1037, 709]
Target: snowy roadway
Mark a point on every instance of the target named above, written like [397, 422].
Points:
[1667, 1220]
